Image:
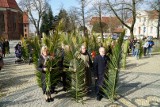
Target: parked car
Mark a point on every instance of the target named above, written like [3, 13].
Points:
[114, 37]
[126, 37]
[149, 37]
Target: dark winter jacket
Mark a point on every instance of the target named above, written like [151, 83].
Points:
[100, 65]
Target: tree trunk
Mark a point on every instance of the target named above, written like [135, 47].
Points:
[38, 32]
[158, 26]
[100, 22]
[101, 31]
[131, 33]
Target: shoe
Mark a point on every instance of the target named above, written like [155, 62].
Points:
[47, 100]
[51, 99]
[99, 98]
[65, 89]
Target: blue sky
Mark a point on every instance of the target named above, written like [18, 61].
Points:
[58, 4]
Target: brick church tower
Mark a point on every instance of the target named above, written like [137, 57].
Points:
[13, 21]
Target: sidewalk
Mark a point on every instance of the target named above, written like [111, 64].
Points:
[139, 86]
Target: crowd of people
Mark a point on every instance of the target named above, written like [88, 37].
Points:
[135, 47]
[96, 66]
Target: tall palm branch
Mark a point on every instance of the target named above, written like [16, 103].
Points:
[125, 53]
[111, 76]
[76, 67]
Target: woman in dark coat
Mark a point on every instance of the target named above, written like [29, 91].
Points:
[100, 67]
[42, 67]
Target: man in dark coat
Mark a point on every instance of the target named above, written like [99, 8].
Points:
[3, 48]
[63, 74]
[100, 65]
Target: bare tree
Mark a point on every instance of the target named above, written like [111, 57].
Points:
[74, 18]
[155, 5]
[83, 5]
[35, 9]
[82, 11]
[127, 6]
[98, 8]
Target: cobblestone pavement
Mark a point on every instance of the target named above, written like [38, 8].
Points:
[139, 86]
[14, 77]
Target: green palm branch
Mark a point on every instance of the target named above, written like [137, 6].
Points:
[125, 52]
[52, 73]
[78, 85]
[111, 76]
[76, 68]
[141, 49]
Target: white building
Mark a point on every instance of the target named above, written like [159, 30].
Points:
[146, 24]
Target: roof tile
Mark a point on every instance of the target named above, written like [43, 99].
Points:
[9, 4]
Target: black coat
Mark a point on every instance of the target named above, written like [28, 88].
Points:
[100, 66]
[41, 64]
[43, 74]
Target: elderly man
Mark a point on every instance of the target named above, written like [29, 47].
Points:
[100, 65]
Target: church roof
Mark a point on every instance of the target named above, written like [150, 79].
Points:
[9, 4]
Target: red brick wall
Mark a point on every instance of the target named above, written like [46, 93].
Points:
[13, 25]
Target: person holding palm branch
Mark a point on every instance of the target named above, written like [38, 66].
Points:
[100, 66]
[85, 56]
[42, 67]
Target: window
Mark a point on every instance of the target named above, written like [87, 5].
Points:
[151, 30]
[14, 23]
[25, 35]
[139, 19]
[144, 29]
[144, 19]
[139, 30]
[2, 24]
[25, 30]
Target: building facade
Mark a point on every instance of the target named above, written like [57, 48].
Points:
[114, 25]
[146, 24]
[12, 20]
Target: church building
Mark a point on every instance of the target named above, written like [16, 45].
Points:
[14, 23]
